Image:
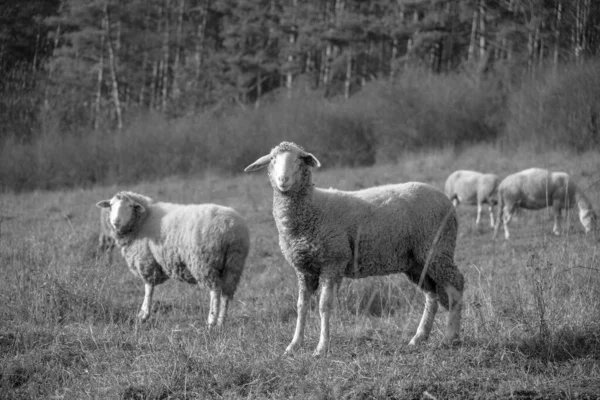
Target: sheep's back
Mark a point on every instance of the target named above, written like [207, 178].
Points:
[182, 237]
[531, 189]
[391, 222]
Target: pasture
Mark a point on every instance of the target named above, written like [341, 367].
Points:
[530, 328]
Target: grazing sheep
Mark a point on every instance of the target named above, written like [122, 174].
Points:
[196, 243]
[106, 243]
[537, 188]
[329, 234]
[472, 187]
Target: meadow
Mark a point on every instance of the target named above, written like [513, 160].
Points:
[531, 319]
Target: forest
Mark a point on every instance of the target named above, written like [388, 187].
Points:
[93, 77]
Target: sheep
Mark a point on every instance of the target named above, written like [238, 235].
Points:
[196, 243]
[326, 235]
[106, 242]
[472, 187]
[537, 188]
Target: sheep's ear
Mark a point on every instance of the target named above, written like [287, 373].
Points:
[310, 160]
[138, 207]
[259, 164]
[103, 204]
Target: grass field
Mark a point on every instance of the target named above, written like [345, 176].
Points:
[531, 321]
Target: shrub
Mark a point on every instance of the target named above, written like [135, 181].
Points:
[557, 110]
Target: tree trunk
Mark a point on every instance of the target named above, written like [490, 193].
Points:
[154, 85]
[348, 78]
[200, 44]
[178, 48]
[473, 39]
[99, 83]
[482, 33]
[113, 67]
[557, 26]
[145, 59]
[165, 63]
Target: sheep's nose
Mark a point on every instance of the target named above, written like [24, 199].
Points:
[283, 179]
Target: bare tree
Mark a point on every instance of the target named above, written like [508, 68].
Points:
[113, 66]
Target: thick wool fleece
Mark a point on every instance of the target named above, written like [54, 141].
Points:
[537, 188]
[204, 243]
[376, 231]
[472, 187]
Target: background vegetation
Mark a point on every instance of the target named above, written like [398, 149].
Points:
[101, 92]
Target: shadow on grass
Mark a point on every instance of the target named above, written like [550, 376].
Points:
[564, 345]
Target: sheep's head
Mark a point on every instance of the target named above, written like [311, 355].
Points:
[123, 210]
[588, 219]
[286, 163]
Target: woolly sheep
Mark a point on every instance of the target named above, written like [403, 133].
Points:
[330, 234]
[197, 243]
[473, 188]
[106, 242]
[537, 188]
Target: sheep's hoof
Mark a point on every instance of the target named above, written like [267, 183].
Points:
[143, 316]
[417, 340]
[450, 342]
[292, 348]
[320, 352]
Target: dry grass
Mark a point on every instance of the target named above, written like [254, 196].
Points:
[530, 327]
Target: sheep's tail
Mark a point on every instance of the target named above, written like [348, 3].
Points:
[499, 212]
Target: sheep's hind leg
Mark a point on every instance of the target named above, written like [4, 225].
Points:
[306, 286]
[147, 304]
[223, 309]
[478, 219]
[215, 296]
[424, 329]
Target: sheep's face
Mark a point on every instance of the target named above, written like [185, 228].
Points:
[588, 219]
[285, 164]
[122, 210]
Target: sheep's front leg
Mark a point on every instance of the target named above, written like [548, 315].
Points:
[491, 209]
[306, 285]
[479, 209]
[454, 313]
[325, 308]
[506, 219]
[556, 227]
[424, 329]
[147, 304]
[215, 296]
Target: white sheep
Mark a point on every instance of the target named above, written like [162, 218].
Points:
[197, 243]
[106, 242]
[537, 188]
[473, 188]
[330, 234]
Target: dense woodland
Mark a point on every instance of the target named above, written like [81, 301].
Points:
[79, 68]
[90, 59]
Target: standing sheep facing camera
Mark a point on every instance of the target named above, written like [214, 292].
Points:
[472, 187]
[328, 234]
[537, 188]
[196, 243]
